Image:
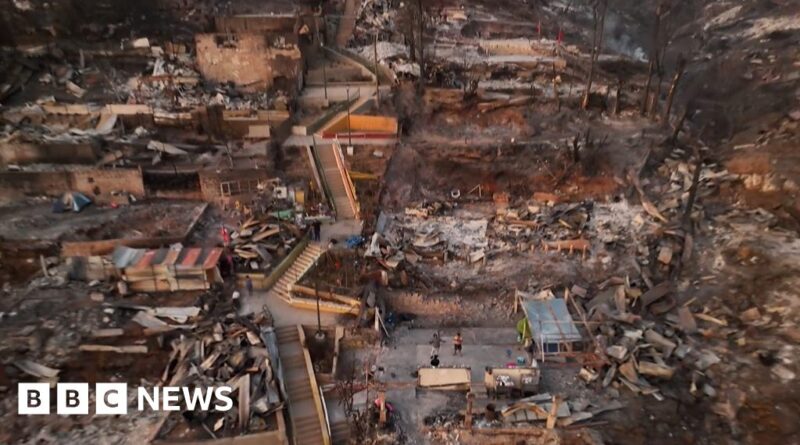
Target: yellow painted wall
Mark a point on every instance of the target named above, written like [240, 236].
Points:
[365, 124]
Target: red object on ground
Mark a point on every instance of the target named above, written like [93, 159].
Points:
[226, 237]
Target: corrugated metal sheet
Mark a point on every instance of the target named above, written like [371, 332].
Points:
[192, 257]
[122, 256]
[550, 321]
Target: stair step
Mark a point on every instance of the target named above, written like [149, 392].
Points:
[298, 377]
[286, 331]
[309, 256]
[297, 360]
[307, 420]
[308, 435]
[299, 396]
[288, 338]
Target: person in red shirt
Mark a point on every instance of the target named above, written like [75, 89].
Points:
[458, 341]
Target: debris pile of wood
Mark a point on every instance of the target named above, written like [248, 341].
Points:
[639, 351]
[232, 351]
[147, 321]
[551, 410]
[420, 236]
[258, 242]
[542, 223]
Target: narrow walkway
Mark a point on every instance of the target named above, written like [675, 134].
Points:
[303, 412]
[339, 186]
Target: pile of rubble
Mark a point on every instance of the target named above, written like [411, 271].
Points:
[547, 408]
[541, 223]
[258, 241]
[639, 353]
[420, 235]
[232, 351]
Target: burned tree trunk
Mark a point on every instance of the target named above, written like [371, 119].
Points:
[646, 94]
[421, 18]
[618, 98]
[653, 59]
[599, 24]
[675, 80]
[412, 41]
[555, 88]
[687, 112]
[657, 92]
[686, 221]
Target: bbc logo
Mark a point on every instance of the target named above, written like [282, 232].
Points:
[112, 398]
[73, 398]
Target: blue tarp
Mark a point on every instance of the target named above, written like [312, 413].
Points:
[71, 201]
[354, 241]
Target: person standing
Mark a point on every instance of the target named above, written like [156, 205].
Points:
[248, 284]
[435, 342]
[458, 341]
[317, 229]
[235, 299]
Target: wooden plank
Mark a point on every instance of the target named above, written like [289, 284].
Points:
[244, 402]
[443, 377]
[131, 349]
[327, 295]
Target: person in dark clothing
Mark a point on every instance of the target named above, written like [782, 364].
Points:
[248, 284]
[435, 343]
[317, 228]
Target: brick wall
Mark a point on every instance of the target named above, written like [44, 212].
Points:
[54, 153]
[96, 184]
[247, 59]
[16, 185]
[211, 184]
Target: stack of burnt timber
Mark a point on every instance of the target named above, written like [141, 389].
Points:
[257, 242]
[240, 353]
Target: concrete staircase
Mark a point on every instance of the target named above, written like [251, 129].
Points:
[304, 262]
[340, 432]
[335, 178]
[303, 410]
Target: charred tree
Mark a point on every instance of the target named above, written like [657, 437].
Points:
[555, 88]
[421, 23]
[599, 17]
[673, 88]
[657, 93]
[653, 57]
[686, 221]
[687, 113]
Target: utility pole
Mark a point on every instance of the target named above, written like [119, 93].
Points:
[377, 77]
[324, 62]
[319, 335]
[349, 131]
